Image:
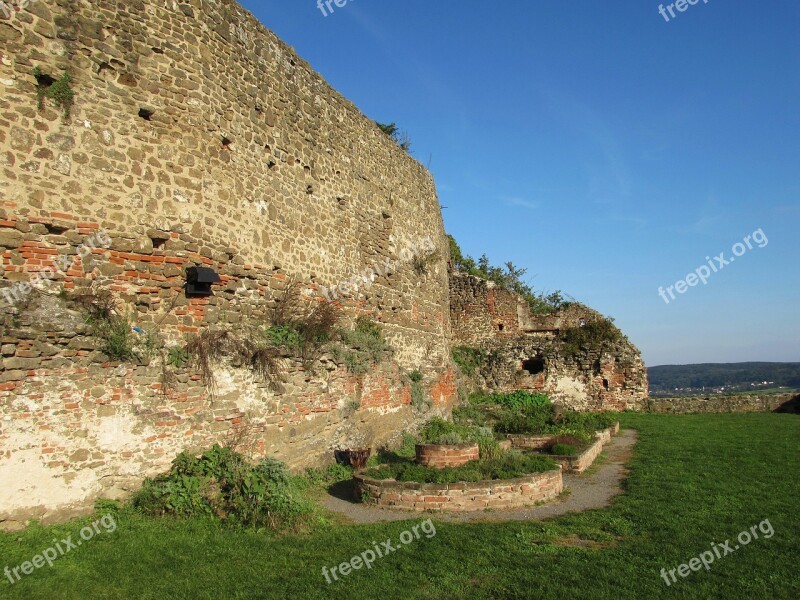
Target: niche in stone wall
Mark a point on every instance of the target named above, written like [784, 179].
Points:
[533, 366]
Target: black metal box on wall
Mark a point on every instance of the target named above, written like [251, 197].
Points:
[199, 280]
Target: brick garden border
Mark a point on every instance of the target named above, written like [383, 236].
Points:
[463, 496]
[440, 456]
[571, 464]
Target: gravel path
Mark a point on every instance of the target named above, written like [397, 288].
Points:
[587, 491]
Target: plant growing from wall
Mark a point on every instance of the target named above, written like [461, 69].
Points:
[420, 400]
[508, 277]
[120, 340]
[57, 90]
[400, 137]
[422, 263]
[363, 346]
[595, 336]
[211, 345]
[469, 360]
[302, 327]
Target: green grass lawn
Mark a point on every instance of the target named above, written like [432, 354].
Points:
[694, 480]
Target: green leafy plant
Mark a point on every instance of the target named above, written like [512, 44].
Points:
[59, 91]
[178, 357]
[508, 277]
[595, 335]
[469, 360]
[220, 483]
[401, 138]
[365, 345]
[521, 400]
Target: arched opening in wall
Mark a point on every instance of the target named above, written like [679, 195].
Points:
[605, 384]
[533, 366]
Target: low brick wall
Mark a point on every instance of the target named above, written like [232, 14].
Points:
[440, 456]
[529, 442]
[499, 494]
[720, 404]
[523, 441]
[582, 461]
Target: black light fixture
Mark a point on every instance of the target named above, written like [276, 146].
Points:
[199, 280]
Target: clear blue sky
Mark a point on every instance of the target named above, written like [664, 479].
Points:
[603, 148]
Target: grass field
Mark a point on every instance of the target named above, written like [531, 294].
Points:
[695, 480]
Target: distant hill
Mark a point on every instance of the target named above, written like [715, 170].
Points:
[722, 378]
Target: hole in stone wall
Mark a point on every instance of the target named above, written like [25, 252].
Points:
[146, 113]
[158, 243]
[501, 327]
[104, 66]
[533, 366]
[44, 80]
[226, 142]
[55, 229]
[272, 164]
[157, 50]
[605, 384]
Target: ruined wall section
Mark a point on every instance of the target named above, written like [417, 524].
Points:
[527, 351]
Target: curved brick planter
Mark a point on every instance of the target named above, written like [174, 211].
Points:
[439, 456]
[571, 464]
[480, 495]
[580, 462]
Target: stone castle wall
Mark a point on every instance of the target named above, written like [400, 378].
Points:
[726, 404]
[196, 138]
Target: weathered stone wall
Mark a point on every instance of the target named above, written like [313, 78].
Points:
[527, 352]
[196, 138]
[723, 404]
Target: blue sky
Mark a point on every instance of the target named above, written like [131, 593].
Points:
[603, 148]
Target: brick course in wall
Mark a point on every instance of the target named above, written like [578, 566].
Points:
[482, 495]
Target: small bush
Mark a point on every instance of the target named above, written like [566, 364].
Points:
[59, 91]
[220, 483]
[521, 400]
[365, 346]
[597, 335]
[469, 360]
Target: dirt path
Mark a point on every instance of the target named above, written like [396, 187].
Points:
[587, 491]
